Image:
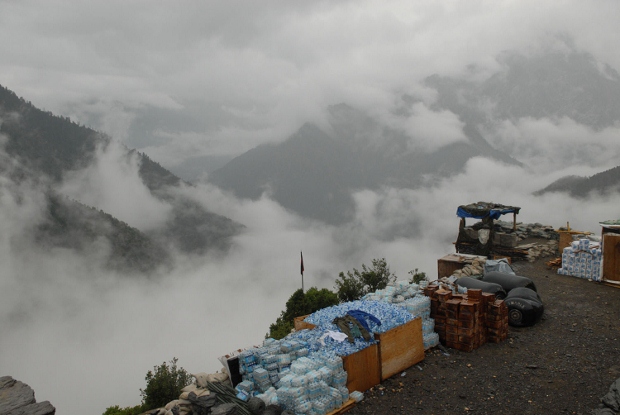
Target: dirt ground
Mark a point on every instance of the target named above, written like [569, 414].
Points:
[562, 365]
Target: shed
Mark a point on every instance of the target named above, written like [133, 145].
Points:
[481, 238]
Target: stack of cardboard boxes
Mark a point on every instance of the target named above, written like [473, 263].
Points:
[466, 322]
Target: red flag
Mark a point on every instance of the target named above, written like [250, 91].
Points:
[302, 264]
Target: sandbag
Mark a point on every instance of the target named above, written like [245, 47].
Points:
[524, 307]
[171, 404]
[508, 281]
[486, 287]
[272, 410]
[497, 265]
[202, 378]
[256, 406]
[224, 409]
[189, 388]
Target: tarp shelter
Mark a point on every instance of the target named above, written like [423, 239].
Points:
[482, 210]
[478, 239]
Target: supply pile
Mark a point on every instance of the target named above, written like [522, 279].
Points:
[285, 373]
[526, 230]
[408, 295]
[582, 259]
[473, 267]
[467, 321]
[304, 372]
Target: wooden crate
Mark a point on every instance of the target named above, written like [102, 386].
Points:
[300, 324]
[611, 257]
[363, 369]
[452, 262]
[400, 348]
[448, 264]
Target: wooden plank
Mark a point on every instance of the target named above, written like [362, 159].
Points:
[507, 258]
[363, 369]
[348, 405]
[400, 348]
[611, 257]
[300, 324]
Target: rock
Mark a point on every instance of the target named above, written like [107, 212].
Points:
[612, 398]
[602, 411]
[17, 398]
[40, 408]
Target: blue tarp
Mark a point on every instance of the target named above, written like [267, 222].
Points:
[482, 210]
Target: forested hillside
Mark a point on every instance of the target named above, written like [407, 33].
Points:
[40, 149]
[602, 183]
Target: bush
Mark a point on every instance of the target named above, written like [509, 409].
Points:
[417, 276]
[300, 304]
[354, 285]
[130, 410]
[164, 384]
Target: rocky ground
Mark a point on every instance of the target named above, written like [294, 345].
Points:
[562, 365]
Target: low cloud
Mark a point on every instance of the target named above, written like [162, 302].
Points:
[431, 130]
[548, 145]
[112, 183]
[84, 337]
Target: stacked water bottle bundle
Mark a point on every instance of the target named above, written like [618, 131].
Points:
[397, 293]
[389, 315]
[287, 373]
[582, 259]
[408, 296]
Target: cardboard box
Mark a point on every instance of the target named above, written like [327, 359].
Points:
[300, 324]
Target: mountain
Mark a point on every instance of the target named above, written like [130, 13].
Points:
[72, 225]
[603, 183]
[41, 148]
[315, 171]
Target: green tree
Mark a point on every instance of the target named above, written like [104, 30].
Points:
[354, 285]
[164, 384]
[300, 304]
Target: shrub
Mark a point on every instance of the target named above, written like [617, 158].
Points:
[300, 304]
[164, 384]
[417, 276]
[354, 285]
[130, 410]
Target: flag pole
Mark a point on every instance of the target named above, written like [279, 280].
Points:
[302, 271]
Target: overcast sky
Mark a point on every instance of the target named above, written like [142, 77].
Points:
[235, 74]
[184, 79]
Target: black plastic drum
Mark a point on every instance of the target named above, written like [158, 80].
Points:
[525, 308]
[487, 287]
[508, 281]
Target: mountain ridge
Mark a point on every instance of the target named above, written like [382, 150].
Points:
[41, 148]
[315, 172]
